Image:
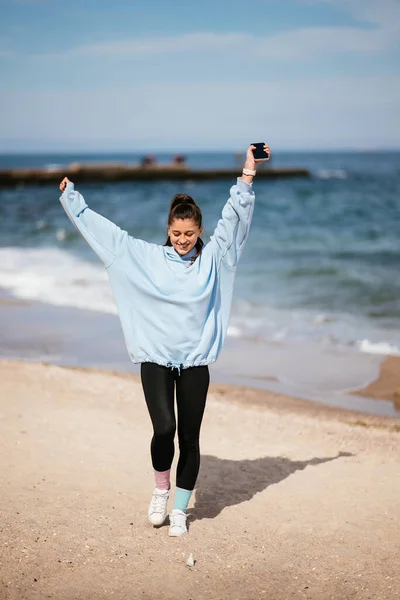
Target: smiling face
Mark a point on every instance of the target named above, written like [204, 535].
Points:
[183, 234]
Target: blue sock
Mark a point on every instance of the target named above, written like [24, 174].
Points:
[182, 498]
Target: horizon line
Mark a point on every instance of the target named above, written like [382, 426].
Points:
[352, 149]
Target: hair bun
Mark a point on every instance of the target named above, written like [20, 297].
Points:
[179, 199]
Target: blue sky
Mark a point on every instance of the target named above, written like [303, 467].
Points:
[123, 75]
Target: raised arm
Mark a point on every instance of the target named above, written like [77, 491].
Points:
[104, 237]
[233, 228]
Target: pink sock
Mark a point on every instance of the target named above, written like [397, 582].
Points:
[162, 479]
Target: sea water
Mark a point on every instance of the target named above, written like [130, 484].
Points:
[320, 268]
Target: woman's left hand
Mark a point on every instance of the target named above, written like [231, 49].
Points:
[251, 163]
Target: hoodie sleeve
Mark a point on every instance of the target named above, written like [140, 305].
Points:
[233, 228]
[104, 237]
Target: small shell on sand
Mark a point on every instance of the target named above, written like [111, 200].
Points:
[190, 561]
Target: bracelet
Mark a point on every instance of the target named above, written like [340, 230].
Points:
[248, 172]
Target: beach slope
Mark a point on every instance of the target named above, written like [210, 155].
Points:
[294, 500]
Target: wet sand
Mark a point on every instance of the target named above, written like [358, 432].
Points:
[294, 499]
[387, 386]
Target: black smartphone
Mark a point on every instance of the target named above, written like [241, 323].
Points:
[259, 152]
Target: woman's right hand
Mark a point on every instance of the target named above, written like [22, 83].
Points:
[63, 184]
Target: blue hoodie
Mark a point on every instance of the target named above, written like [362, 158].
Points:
[172, 312]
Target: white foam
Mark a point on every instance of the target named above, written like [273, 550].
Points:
[61, 278]
[52, 167]
[378, 348]
[281, 334]
[322, 318]
[332, 174]
[41, 224]
[61, 234]
[57, 277]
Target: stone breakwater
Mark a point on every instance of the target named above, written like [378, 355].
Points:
[120, 172]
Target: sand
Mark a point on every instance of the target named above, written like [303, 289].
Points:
[387, 386]
[294, 500]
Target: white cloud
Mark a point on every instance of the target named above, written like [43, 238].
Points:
[291, 45]
[378, 32]
[312, 113]
[315, 43]
[94, 106]
[161, 45]
[381, 13]
[304, 44]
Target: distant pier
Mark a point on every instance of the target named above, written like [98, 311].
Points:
[79, 173]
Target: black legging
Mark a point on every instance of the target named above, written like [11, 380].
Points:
[191, 392]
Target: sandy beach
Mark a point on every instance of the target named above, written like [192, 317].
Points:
[387, 385]
[294, 499]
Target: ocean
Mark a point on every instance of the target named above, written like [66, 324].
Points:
[320, 269]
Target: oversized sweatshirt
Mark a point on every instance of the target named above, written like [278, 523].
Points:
[172, 312]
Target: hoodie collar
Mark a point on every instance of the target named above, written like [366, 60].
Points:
[175, 256]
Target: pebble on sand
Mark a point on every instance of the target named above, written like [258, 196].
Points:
[190, 561]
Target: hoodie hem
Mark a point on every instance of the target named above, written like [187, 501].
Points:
[169, 363]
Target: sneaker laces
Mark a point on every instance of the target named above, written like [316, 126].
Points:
[158, 502]
[178, 519]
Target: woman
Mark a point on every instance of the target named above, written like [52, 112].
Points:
[174, 303]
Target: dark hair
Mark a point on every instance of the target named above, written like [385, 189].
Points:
[184, 207]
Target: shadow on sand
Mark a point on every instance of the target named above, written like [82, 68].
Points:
[223, 483]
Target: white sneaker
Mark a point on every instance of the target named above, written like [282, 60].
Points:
[177, 523]
[158, 507]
